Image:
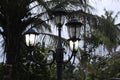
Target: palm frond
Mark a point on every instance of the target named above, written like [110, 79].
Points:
[52, 39]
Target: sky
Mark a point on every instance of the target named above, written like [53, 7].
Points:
[111, 5]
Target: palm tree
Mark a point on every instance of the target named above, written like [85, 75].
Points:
[16, 17]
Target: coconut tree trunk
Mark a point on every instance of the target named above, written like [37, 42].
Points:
[12, 40]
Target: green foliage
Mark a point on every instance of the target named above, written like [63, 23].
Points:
[16, 16]
[87, 78]
[30, 70]
[69, 72]
[103, 30]
[108, 28]
[1, 71]
[106, 67]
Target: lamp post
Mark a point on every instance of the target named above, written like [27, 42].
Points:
[59, 14]
[73, 27]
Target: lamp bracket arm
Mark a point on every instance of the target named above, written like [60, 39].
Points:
[73, 58]
[42, 63]
[65, 62]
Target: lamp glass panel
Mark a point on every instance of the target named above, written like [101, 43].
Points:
[74, 31]
[71, 31]
[36, 37]
[32, 39]
[27, 39]
[74, 45]
[77, 31]
[71, 45]
[59, 19]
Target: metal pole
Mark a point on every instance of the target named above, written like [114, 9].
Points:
[59, 55]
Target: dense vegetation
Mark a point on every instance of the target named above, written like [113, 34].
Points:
[18, 16]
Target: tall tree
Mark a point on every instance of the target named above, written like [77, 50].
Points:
[15, 17]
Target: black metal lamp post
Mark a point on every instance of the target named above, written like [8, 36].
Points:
[59, 19]
[73, 27]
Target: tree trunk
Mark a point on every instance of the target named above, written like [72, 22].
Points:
[12, 49]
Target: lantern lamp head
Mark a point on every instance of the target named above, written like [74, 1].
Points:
[31, 37]
[73, 27]
[59, 15]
